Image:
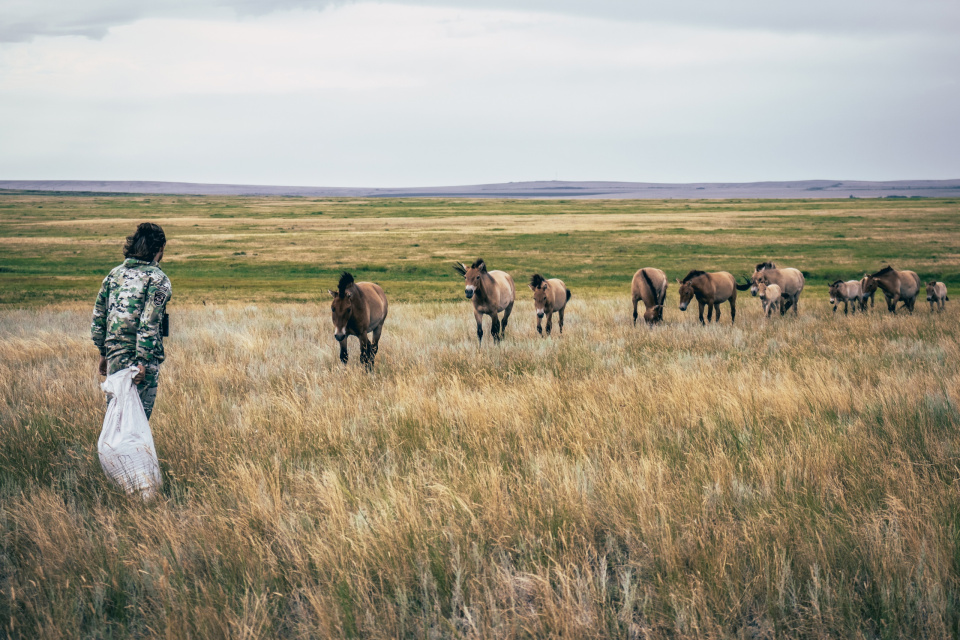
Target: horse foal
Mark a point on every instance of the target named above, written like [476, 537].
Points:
[549, 297]
[769, 295]
[848, 292]
[937, 295]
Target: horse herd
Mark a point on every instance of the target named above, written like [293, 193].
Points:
[360, 308]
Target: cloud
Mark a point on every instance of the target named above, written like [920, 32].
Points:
[24, 19]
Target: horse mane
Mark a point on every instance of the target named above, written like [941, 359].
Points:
[479, 263]
[346, 280]
[766, 265]
[690, 276]
[887, 269]
[836, 282]
[536, 280]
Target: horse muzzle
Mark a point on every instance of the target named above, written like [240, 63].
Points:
[929, 298]
[540, 314]
[683, 306]
[339, 337]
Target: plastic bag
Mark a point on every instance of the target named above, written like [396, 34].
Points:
[126, 449]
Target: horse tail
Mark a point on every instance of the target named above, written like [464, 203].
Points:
[569, 295]
[742, 287]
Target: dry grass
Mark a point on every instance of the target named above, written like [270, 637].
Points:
[793, 478]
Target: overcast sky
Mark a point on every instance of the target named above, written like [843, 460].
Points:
[445, 92]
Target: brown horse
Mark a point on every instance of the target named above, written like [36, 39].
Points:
[937, 295]
[491, 292]
[649, 285]
[358, 308]
[789, 280]
[710, 289]
[897, 286]
[549, 297]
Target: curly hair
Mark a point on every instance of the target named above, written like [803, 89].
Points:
[145, 242]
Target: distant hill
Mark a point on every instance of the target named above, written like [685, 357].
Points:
[540, 189]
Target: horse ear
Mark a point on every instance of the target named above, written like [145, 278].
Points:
[333, 294]
[543, 285]
[678, 281]
[532, 288]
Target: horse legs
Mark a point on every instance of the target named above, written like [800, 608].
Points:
[560, 317]
[716, 312]
[892, 303]
[479, 317]
[539, 325]
[375, 344]
[845, 310]
[549, 323]
[343, 351]
[506, 317]
[366, 350]
[635, 301]
[701, 305]
[495, 328]
[710, 308]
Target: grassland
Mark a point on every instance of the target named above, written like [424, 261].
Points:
[291, 249]
[793, 478]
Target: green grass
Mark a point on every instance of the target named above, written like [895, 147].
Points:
[56, 248]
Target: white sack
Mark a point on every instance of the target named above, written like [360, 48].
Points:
[126, 449]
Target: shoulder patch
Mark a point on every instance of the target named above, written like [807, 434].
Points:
[161, 294]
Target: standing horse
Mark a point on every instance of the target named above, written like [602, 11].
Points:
[491, 292]
[549, 297]
[358, 308]
[649, 285]
[897, 286]
[769, 297]
[790, 282]
[848, 292]
[937, 295]
[710, 290]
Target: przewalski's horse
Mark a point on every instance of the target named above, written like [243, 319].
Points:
[769, 297]
[649, 285]
[936, 295]
[491, 292]
[848, 293]
[710, 289]
[549, 297]
[897, 286]
[864, 295]
[790, 281]
[358, 308]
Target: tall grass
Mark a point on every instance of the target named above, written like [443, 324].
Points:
[791, 478]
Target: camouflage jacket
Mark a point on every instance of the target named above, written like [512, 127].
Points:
[128, 312]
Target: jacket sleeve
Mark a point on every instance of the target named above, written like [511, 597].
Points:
[98, 328]
[149, 340]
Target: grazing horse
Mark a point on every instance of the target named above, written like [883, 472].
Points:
[897, 286]
[710, 290]
[549, 297]
[937, 295]
[491, 292]
[846, 292]
[864, 295]
[790, 282]
[769, 297]
[358, 308]
[649, 285]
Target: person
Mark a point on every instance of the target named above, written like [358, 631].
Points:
[129, 315]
